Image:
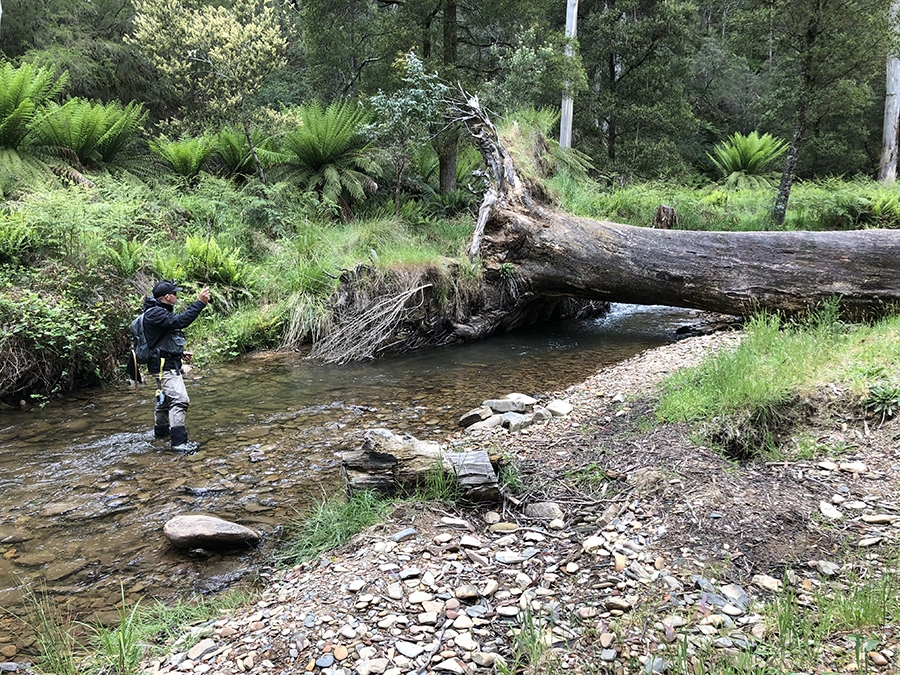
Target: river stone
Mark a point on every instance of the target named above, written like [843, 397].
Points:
[203, 647]
[544, 511]
[829, 511]
[766, 582]
[195, 531]
[34, 559]
[524, 398]
[61, 569]
[515, 421]
[475, 415]
[559, 408]
[505, 405]
[489, 423]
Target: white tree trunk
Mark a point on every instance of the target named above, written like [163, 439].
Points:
[565, 118]
[887, 173]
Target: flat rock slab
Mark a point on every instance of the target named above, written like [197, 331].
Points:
[208, 532]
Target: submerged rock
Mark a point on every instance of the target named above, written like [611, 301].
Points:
[209, 532]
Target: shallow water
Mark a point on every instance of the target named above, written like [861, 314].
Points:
[85, 489]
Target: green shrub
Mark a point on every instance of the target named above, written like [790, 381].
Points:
[24, 90]
[64, 336]
[331, 524]
[208, 262]
[184, 157]
[330, 156]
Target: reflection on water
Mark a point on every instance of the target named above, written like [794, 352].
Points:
[85, 489]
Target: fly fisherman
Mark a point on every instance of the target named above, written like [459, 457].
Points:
[163, 330]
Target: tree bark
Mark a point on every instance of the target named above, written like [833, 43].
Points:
[887, 171]
[531, 254]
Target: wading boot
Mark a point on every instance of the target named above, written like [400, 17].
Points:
[160, 431]
[180, 442]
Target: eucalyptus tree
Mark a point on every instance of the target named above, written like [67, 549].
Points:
[821, 57]
[637, 54]
[221, 54]
[887, 171]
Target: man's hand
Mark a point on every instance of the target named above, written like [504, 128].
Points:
[204, 295]
[187, 356]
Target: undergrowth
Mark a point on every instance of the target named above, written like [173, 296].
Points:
[749, 398]
[66, 645]
[330, 525]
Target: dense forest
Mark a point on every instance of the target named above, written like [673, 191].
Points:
[272, 148]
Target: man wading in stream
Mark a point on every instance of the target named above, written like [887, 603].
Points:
[163, 330]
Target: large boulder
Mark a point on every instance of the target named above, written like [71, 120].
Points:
[208, 532]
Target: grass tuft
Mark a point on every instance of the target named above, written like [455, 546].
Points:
[330, 525]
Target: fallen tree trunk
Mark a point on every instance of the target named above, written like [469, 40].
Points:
[531, 252]
[540, 264]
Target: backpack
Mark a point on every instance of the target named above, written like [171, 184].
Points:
[139, 346]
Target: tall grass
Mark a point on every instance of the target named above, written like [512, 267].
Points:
[830, 204]
[330, 525]
[745, 396]
[66, 646]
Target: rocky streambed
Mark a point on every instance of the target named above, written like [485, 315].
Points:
[627, 548]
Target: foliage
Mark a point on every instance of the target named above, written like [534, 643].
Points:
[211, 264]
[127, 256]
[52, 630]
[24, 90]
[406, 119]
[534, 73]
[234, 157]
[526, 134]
[86, 133]
[330, 525]
[636, 109]
[18, 240]
[53, 340]
[823, 205]
[884, 399]
[223, 53]
[330, 155]
[185, 157]
[119, 649]
[744, 160]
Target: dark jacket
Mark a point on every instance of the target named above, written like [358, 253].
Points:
[163, 329]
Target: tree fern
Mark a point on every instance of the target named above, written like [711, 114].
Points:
[23, 91]
[185, 157]
[744, 161]
[330, 155]
[233, 155]
[89, 133]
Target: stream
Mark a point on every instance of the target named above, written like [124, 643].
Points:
[85, 488]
